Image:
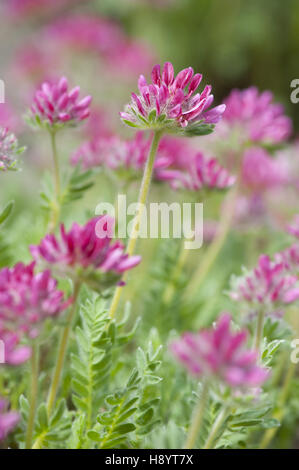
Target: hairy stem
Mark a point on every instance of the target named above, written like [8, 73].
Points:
[61, 352]
[33, 396]
[197, 419]
[215, 247]
[143, 194]
[56, 204]
[211, 439]
[259, 330]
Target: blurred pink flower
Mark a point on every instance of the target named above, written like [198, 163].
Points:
[8, 419]
[269, 283]
[293, 229]
[85, 251]
[260, 171]
[220, 353]
[54, 105]
[101, 36]
[9, 118]
[28, 298]
[9, 150]
[165, 104]
[14, 352]
[256, 116]
[201, 172]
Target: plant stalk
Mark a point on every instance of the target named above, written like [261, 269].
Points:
[33, 396]
[197, 418]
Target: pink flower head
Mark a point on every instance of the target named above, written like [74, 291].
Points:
[260, 171]
[9, 150]
[8, 419]
[28, 298]
[202, 172]
[219, 353]
[256, 116]
[113, 152]
[268, 283]
[54, 105]
[165, 104]
[87, 252]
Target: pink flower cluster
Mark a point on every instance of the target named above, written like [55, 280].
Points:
[165, 104]
[113, 152]
[220, 353]
[202, 172]
[26, 300]
[85, 248]
[54, 104]
[9, 150]
[8, 419]
[102, 37]
[256, 116]
[269, 283]
[261, 172]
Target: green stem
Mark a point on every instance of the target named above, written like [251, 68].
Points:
[259, 330]
[143, 194]
[61, 352]
[216, 427]
[170, 288]
[56, 204]
[280, 411]
[33, 396]
[215, 247]
[197, 419]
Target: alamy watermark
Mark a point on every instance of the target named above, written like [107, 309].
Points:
[158, 220]
[2, 352]
[2, 92]
[295, 352]
[295, 93]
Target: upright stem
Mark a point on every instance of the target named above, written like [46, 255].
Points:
[143, 194]
[216, 427]
[259, 330]
[56, 207]
[61, 352]
[197, 418]
[33, 396]
[280, 411]
[216, 245]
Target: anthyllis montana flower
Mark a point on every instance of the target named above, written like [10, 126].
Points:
[9, 150]
[8, 419]
[86, 253]
[55, 106]
[168, 104]
[27, 298]
[201, 173]
[256, 117]
[269, 285]
[219, 353]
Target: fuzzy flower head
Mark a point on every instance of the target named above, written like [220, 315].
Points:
[8, 419]
[169, 103]
[268, 284]
[256, 117]
[9, 150]
[220, 353]
[86, 253]
[203, 173]
[55, 106]
[27, 298]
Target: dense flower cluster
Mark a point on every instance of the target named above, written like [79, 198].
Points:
[55, 105]
[85, 250]
[260, 171]
[165, 104]
[202, 172]
[268, 283]
[256, 116]
[220, 353]
[8, 419]
[9, 150]
[27, 298]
